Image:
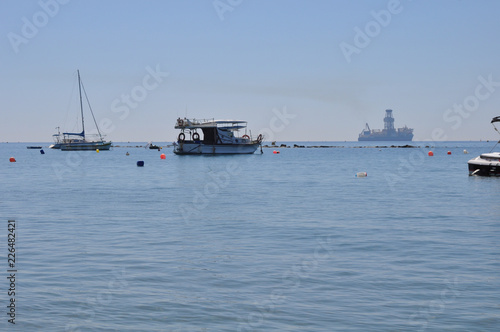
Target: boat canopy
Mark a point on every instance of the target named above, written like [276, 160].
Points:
[495, 119]
[228, 121]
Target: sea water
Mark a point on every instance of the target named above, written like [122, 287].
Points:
[265, 242]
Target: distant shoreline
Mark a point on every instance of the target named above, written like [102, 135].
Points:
[292, 144]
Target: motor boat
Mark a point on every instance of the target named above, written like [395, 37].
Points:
[487, 164]
[219, 137]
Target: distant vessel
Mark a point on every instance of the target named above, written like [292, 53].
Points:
[152, 146]
[77, 141]
[219, 137]
[487, 164]
[389, 133]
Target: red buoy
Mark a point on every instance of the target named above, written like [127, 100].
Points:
[430, 153]
[276, 152]
[449, 152]
[12, 159]
[162, 156]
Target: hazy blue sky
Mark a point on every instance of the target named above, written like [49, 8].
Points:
[295, 69]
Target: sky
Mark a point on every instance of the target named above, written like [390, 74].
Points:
[296, 70]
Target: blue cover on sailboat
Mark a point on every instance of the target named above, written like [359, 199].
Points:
[76, 134]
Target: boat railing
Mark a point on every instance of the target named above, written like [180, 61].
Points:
[186, 123]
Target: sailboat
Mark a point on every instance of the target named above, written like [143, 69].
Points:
[78, 141]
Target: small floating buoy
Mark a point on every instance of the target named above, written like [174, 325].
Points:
[140, 163]
[430, 153]
[449, 152]
[276, 152]
[42, 152]
[12, 159]
[465, 151]
[97, 150]
[162, 156]
[127, 154]
[361, 174]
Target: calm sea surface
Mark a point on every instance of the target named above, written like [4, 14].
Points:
[264, 242]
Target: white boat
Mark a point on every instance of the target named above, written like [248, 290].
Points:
[487, 164]
[78, 141]
[218, 137]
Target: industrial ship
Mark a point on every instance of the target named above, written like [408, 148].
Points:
[389, 133]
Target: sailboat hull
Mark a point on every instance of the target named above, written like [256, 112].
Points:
[85, 146]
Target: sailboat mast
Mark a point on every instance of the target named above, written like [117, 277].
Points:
[81, 103]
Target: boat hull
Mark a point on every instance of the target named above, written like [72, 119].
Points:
[86, 146]
[485, 165]
[188, 148]
[406, 138]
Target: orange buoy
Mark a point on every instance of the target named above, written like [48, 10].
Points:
[162, 156]
[276, 152]
[449, 152]
[430, 154]
[12, 159]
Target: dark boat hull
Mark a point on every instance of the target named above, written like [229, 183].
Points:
[487, 164]
[371, 138]
[484, 170]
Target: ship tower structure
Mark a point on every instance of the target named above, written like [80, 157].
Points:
[389, 122]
